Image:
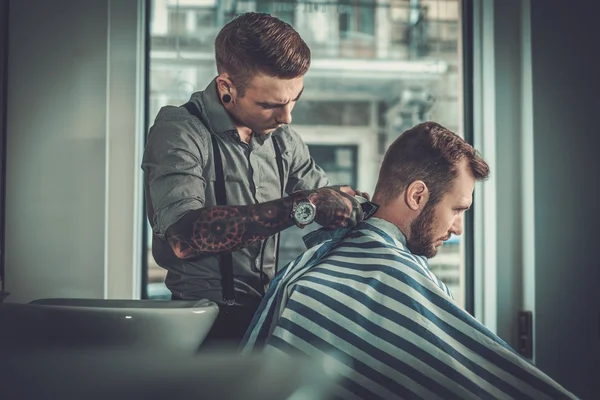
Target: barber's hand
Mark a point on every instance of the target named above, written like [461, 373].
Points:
[354, 192]
[336, 207]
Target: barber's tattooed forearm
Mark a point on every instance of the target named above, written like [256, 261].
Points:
[218, 229]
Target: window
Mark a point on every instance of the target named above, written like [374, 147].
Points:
[357, 19]
[377, 70]
[284, 10]
[340, 164]
[205, 18]
[335, 113]
[177, 22]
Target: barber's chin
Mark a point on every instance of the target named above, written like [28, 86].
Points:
[266, 131]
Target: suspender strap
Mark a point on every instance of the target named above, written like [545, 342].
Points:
[279, 160]
[225, 259]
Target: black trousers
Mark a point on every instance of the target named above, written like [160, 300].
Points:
[230, 325]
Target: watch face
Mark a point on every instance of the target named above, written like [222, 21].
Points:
[305, 213]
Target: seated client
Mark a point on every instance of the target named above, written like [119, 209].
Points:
[365, 300]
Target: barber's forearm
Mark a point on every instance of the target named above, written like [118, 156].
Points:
[219, 229]
[213, 230]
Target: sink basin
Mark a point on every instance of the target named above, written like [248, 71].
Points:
[170, 326]
[121, 304]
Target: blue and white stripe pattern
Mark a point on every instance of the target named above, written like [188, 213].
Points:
[387, 325]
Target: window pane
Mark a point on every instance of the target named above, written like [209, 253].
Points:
[335, 113]
[284, 10]
[378, 68]
[341, 166]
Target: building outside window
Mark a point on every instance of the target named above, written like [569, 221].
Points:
[357, 19]
[284, 10]
[379, 67]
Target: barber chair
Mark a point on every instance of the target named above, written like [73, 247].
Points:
[172, 327]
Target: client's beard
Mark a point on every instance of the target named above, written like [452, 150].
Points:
[421, 234]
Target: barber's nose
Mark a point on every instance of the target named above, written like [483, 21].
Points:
[285, 117]
[457, 226]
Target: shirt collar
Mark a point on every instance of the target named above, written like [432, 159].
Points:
[388, 228]
[320, 235]
[210, 104]
[218, 118]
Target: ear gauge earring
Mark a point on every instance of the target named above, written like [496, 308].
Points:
[226, 98]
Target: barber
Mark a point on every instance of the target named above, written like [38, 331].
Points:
[225, 174]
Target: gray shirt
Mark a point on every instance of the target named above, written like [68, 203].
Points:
[179, 177]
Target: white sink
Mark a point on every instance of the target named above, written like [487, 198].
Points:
[165, 326]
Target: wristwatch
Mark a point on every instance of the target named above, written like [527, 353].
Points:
[303, 212]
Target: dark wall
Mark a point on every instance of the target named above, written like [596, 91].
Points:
[3, 83]
[566, 72]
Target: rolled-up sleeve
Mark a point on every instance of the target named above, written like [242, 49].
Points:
[173, 164]
[304, 173]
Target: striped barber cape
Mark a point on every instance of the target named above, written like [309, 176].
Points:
[385, 325]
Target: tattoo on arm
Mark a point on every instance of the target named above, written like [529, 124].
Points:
[218, 229]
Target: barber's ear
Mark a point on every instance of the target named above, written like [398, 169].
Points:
[224, 84]
[417, 195]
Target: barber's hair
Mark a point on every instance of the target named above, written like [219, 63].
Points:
[258, 43]
[427, 152]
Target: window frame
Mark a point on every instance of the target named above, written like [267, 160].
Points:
[466, 22]
[146, 125]
[471, 291]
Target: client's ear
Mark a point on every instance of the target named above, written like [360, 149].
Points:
[416, 195]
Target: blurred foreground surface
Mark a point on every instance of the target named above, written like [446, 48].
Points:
[107, 374]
